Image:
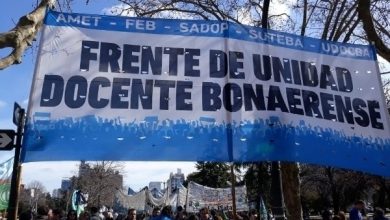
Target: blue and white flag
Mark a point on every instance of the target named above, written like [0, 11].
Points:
[121, 88]
[263, 210]
[6, 170]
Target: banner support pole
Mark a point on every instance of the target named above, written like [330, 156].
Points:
[277, 200]
[186, 203]
[233, 179]
[17, 170]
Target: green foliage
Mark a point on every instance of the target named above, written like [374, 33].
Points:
[211, 174]
[258, 182]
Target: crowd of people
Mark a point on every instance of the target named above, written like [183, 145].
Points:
[356, 213]
[167, 213]
[164, 213]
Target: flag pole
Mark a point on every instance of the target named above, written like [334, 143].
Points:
[17, 170]
[186, 203]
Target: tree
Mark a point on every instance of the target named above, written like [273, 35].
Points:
[211, 174]
[334, 20]
[257, 179]
[33, 196]
[328, 187]
[37, 186]
[100, 181]
[23, 34]
[291, 189]
[376, 26]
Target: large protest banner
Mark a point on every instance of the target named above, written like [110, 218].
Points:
[215, 198]
[120, 88]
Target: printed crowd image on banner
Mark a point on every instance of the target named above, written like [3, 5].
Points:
[120, 88]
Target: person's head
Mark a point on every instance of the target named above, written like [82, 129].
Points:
[379, 212]
[253, 214]
[156, 211]
[180, 208]
[94, 210]
[213, 213]
[132, 214]
[72, 215]
[342, 216]
[110, 215]
[193, 217]
[27, 215]
[42, 211]
[360, 204]
[181, 214]
[327, 214]
[167, 211]
[57, 214]
[204, 213]
[84, 216]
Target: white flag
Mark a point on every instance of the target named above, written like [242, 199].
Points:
[6, 169]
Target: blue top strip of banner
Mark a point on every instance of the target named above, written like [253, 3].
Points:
[203, 28]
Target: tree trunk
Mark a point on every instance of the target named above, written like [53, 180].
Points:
[264, 16]
[291, 190]
[369, 28]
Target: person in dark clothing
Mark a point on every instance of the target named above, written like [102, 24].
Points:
[155, 213]
[42, 213]
[166, 213]
[379, 214]
[131, 214]
[180, 213]
[204, 214]
[326, 214]
[72, 215]
[57, 214]
[95, 214]
[356, 211]
[26, 215]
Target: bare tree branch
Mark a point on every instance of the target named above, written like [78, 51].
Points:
[369, 28]
[333, 7]
[336, 22]
[349, 33]
[23, 34]
[304, 17]
[345, 24]
[382, 29]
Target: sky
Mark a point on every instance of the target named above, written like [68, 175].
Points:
[15, 83]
